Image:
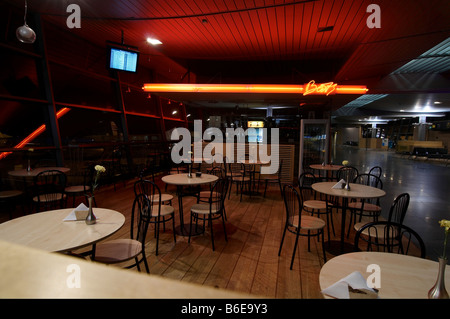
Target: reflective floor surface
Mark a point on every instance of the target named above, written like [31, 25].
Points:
[426, 181]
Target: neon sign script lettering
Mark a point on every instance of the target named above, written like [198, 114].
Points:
[324, 88]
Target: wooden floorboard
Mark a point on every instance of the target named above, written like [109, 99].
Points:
[248, 262]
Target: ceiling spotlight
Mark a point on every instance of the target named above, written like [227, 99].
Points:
[174, 112]
[437, 102]
[153, 41]
[24, 33]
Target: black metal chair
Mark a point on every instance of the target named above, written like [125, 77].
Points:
[213, 209]
[313, 202]
[84, 188]
[296, 222]
[49, 190]
[376, 170]
[125, 249]
[390, 237]
[273, 178]
[367, 207]
[159, 213]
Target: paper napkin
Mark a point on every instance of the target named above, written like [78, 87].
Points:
[339, 185]
[352, 286]
[79, 213]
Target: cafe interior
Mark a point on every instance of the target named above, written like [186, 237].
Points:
[256, 149]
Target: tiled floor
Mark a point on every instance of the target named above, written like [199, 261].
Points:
[426, 181]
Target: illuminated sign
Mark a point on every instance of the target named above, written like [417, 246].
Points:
[310, 88]
[255, 124]
[324, 88]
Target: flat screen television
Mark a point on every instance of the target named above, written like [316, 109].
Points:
[123, 59]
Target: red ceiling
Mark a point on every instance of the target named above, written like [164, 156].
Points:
[264, 39]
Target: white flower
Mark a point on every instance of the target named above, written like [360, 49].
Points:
[100, 169]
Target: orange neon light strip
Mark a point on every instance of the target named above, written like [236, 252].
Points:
[35, 133]
[244, 88]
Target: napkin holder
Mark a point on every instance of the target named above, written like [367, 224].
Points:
[353, 286]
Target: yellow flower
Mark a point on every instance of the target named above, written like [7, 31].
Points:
[31, 150]
[100, 169]
[345, 163]
[445, 223]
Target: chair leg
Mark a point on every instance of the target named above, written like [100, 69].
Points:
[224, 229]
[323, 249]
[173, 229]
[212, 235]
[295, 248]
[265, 189]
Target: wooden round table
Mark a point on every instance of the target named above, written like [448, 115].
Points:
[48, 231]
[24, 173]
[182, 180]
[356, 191]
[401, 276]
[327, 168]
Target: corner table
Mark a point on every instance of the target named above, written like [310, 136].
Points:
[182, 180]
[356, 191]
[401, 276]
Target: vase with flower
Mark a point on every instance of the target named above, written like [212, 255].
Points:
[438, 291]
[347, 182]
[91, 219]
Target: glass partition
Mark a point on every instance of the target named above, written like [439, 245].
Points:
[314, 143]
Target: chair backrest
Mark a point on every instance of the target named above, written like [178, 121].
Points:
[152, 192]
[140, 218]
[305, 181]
[218, 195]
[347, 173]
[48, 189]
[376, 170]
[369, 180]
[398, 208]
[293, 203]
[392, 237]
[217, 171]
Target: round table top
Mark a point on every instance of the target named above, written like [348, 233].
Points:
[401, 276]
[327, 167]
[356, 190]
[183, 179]
[48, 231]
[24, 173]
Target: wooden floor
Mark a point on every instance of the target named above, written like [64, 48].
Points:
[247, 263]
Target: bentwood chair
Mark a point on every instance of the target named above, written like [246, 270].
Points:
[83, 188]
[273, 178]
[49, 190]
[297, 223]
[125, 249]
[376, 232]
[158, 212]
[313, 202]
[376, 170]
[366, 207]
[391, 237]
[213, 209]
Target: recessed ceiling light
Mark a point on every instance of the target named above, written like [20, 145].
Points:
[402, 110]
[153, 41]
[437, 102]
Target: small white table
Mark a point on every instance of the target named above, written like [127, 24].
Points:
[401, 276]
[356, 191]
[48, 231]
[327, 168]
[182, 180]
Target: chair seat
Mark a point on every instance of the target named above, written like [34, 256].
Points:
[315, 204]
[203, 209]
[10, 194]
[164, 198]
[309, 223]
[375, 231]
[53, 197]
[368, 207]
[118, 250]
[77, 189]
[165, 210]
